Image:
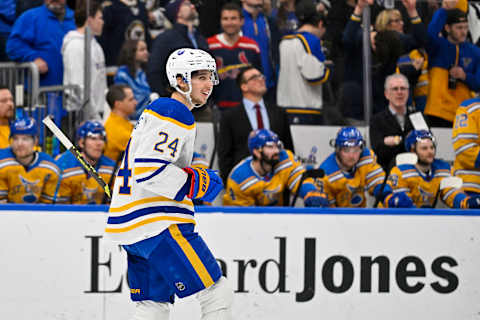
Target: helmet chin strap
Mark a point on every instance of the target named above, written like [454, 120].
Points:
[188, 96]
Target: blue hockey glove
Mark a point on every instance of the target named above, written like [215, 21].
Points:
[398, 200]
[472, 202]
[205, 184]
[315, 199]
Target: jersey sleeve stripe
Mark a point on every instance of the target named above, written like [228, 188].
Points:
[144, 201]
[191, 255]
[157, 172]
[464, 147]
[174, 121]
[147, 221]
[144, 160]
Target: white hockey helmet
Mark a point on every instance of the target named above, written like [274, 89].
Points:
[183, 62]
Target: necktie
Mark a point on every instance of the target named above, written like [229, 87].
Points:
[259, 117]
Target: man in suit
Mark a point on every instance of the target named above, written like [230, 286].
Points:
[253, 113]
[389, 128]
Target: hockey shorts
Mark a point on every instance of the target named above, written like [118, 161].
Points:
[177, 261]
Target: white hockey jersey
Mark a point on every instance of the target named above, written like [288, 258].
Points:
[146, 197]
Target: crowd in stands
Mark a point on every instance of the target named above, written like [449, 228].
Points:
[280, 63]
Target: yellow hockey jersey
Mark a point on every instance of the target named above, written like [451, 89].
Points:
[33, 184]
[466, 143]
[422, 188]
[4, 136]
[348, 189]
[76, 185]
[245, 187]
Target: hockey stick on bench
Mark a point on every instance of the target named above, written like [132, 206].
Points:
[69, 146]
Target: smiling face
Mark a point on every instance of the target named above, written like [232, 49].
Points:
[231, 22]
[202, 86]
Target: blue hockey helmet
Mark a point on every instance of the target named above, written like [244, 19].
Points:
[417, 135]
[25, 125]
[91, 128]
[261, 137]
[348, 137]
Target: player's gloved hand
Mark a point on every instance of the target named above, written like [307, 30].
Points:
[398, 200]
[205, 184]
[315, 199]
[472, 202]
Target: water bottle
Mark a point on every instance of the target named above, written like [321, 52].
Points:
[389, 4]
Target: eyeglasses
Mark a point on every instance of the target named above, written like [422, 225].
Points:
[399, 89]
[256, 77]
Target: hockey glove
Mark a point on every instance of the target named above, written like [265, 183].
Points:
[205, 184]
[472, 202]
[315, 199]
[398, 200]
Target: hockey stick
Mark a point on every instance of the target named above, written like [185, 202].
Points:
[311, 173]
[401, 158]
[448, 182]
[69, 146]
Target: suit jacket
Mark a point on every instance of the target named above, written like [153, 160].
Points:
[234, 130]
[385, 124]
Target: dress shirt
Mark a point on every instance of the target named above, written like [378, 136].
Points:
[252, 113]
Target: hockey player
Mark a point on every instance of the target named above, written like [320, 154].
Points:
[263, 178]
[152, 214]
[353, 169]
[421, 181]
[26, 175]
[76, 184]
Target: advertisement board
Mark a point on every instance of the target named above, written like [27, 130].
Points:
[282, 263]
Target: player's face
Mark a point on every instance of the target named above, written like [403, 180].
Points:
[23, 145]
[457, 32]
[425, 150]
[6, 104]
[231, 22]
[202, 86]
[254, 82]
[349, 156]
[141, 55]
[96, 23]
[128, 104]
[397, 93]
[270, 153]
[94, 147]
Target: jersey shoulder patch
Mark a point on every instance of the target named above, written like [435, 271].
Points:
[171, 109]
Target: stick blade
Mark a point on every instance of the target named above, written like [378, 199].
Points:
[406, 158]
[451, 182]
[418, 121]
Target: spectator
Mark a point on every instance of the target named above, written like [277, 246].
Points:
[73, 51]
[253, 113]
[158, 22]
[421, 181]
[76, 185]
[351, 170]
[124, 20]
[466, 144]
[26, 176]
[414, 66]
[232, 51]
[285, 17]
[184, 16]
[454, 65]
[209, 16]
[37, 37]
[302, 68]
[7, 17]
[121, 100]
[389, 128]
[263, 178]
[263, 30]
[387, 45]
[6, 114]
[133, 60]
